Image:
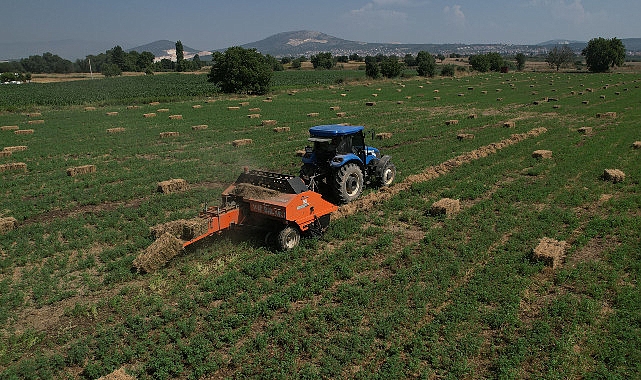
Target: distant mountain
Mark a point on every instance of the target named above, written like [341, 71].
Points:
[167, 49]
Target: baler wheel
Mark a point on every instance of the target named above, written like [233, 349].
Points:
[288, 238]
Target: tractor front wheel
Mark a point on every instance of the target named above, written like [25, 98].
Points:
[348, 182]
[288, 238]
[387, 175]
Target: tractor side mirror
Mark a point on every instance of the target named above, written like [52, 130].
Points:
[372, 133]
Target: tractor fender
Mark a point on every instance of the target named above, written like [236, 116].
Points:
[339, 160]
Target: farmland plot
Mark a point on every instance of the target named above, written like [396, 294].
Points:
[390, 291]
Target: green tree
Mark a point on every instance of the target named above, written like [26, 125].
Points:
[426, 64]
[372, 69]
[560, 57]
[410, 60]
[145, 59]
[242, 71]
[601, 54]
[448, 70]
[180, 56]
[116, 56]
[440, 57]
[520, 61]
[480, 62]
[197, 62]
[322, 61]
[111, 70]
[391, 67]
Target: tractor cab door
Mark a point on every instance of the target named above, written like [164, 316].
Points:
[358, 145]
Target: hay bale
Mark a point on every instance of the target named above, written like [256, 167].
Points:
[34, 114]
[9, 128]
[585, 130]
[5, 153]
[254, 116]
[484, 92]
[384, 135]
[196, 106]
[152, 114]
[343, 95]
[586, 102]
[451, 122]
[550, 252]
[613, 175]
[499, 99]
[185, 229]
[242, 142]
[40, 121]
[113, 113]
[115, 130]
[635, 145]
[465, 136]
[602, 96]
[542, 154]
[460, 94]
[154, 103]
[199, 127]
[249, 191]
[243, 104]
[84, 169]
[255, 109]
[281, 129]
[436, 91]
[370, 104]
[268, 123]
[18, 148]
[13, 166]
[374, 95]
[172, 186]
[300, 152]
[313, 114]
[267, 100]
[162, 110]
[24, 132]
[169, 134]
[607, 115]
[8, 224]
[175, 117]
[335, 108]
[133, 107]
[233, 108]
[341, 114]
[445, 206]
[509, 124]
[165, 248]
[472, 116]
[90, 108]
[437, 98]
[556, 106]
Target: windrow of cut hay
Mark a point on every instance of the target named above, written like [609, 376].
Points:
[172, 186]
[370, 200]
[84, 169]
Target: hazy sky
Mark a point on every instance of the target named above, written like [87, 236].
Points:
[218, 24]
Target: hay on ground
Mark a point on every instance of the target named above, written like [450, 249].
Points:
[5, 153]
[472, 116]
[90, 108]
[172, 186]
[585, 130]
[255, 109]
[118, 374]
[445, 206]
[341, 114]
[437, 98]
[335, 108]
[613, 175]
[607, 115]
[24, 132]
[154, 103]
[249, 191]
[8, 224]
[84, 169]
[185, 229]
[199, 127]
[169, 134]
[586, 102]
[13, 166]
[39, 121]
[233, 108]
[242, 142]
[176, 117]
[151, 114]
[113, 113]
[243, 104]
[197, 106]
[451, 122]
[542, 154]
[384, 135]
[636, 145]
[551, 252]
[115, 130]
[133, 107]
[465, 136]
[281, 129]
[165, 248]
[267, 123]
[300, 152]
[18, 148]
[34, 114]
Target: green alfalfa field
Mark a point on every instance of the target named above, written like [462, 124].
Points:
[390, 291]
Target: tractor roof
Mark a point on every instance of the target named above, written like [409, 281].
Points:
[334, 130]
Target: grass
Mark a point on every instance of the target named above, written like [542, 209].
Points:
[392, 292]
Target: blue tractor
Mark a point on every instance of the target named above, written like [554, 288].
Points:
[339, 164]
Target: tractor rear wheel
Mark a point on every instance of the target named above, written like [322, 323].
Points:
[348, 182]
[288, 238]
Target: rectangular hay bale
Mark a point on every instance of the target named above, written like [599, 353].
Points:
[267, 123]
[550, 252]
[254, 116]
[39, 121]
[465, 136]
[199, 127]
[169, 134]
[9, 128]
[161, 251]
[24, 132]
[113, 113]
[542, 154]
[384, 135]
[18, 148]
[115, 130]
[172, 186]
[84, 169]
[281, 129]
[613, 175]
[5, 153]
[451, 122]
[175, 117]
[151, 114]
[242, 142]
[636, 145]
[13, 166]
[313, 114]
[7, 224]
